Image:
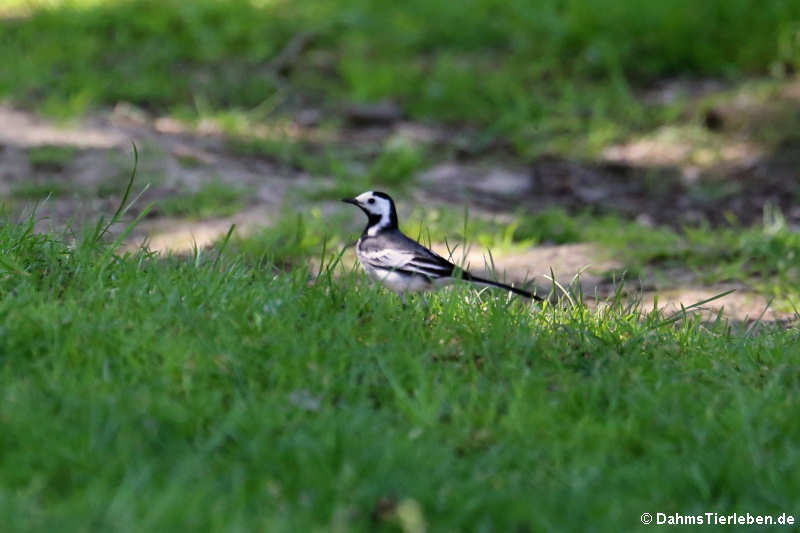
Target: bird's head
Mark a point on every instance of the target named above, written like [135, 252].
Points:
[379, 208]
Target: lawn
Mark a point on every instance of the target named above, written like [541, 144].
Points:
[222, 393]
[546, 75]
[262, 384]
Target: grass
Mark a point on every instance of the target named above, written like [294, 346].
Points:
[393, 162]
[189, 161]
[215, 392]
[112, 185]
[212, 199]
[762, 256]
[31, 190]
[397, 164]
[548, 75]
[51, 157]
[293, 240]
[242, 391]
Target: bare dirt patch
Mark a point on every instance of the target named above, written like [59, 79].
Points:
[729, 157]
[168, 161]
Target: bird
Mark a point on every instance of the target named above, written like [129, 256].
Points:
[400, 263]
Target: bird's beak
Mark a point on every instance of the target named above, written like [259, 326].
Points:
[350, 201]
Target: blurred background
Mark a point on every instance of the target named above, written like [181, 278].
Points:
[660, 139]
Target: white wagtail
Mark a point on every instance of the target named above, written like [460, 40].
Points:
[402, 264]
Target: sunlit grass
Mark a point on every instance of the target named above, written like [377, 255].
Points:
[215, 392]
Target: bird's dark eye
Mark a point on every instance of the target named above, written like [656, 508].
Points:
[371, 201]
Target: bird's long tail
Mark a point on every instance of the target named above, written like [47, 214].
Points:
[475, 279]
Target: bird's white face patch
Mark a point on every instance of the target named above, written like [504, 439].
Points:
[376, 205]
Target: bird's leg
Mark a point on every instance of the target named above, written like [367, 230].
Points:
[402, 296]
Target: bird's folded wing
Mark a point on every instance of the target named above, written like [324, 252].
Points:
[408, 261]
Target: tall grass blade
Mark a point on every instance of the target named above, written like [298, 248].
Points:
[682, 313]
